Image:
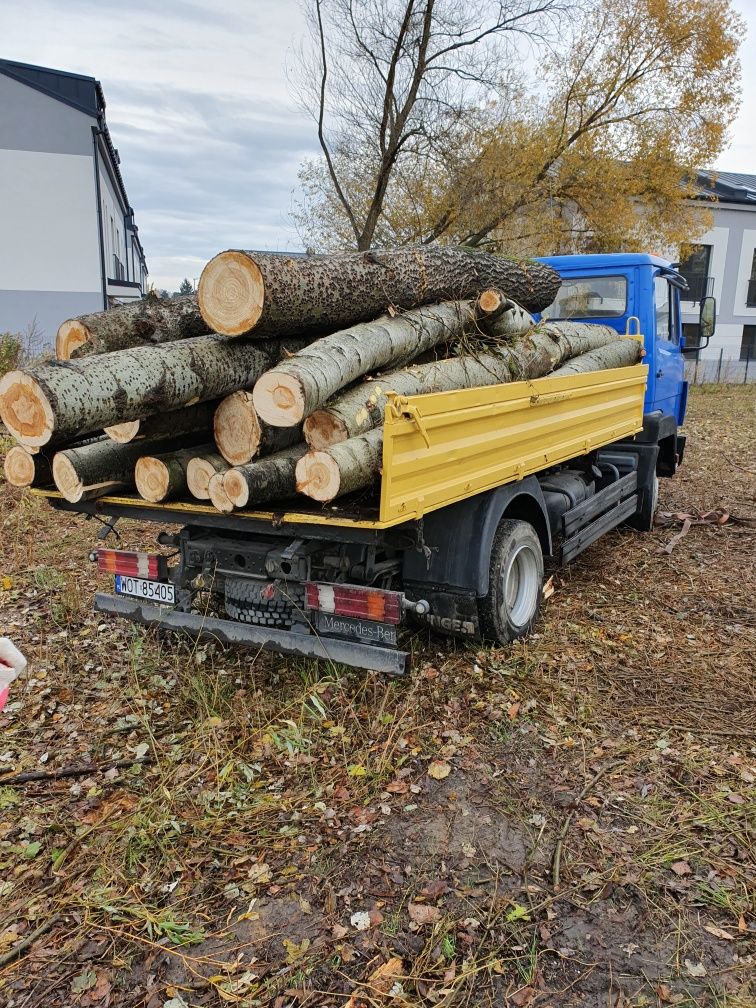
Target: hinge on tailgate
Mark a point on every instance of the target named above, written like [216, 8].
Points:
[400, 406]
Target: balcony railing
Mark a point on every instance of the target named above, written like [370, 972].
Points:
[751, 295]
[119, 271]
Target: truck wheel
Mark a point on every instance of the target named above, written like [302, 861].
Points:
[515, 583]
[263, 603]
[643, 519]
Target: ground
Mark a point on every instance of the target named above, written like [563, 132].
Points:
[565, 822]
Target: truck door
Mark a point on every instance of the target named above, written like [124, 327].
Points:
[668, 356]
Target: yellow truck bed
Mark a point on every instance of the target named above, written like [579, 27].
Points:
[443, 447]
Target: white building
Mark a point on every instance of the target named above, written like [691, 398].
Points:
[68, 241]
[723, 263]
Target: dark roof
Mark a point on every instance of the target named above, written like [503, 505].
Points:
[728, 187]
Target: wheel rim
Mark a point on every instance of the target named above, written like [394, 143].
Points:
[520, 584]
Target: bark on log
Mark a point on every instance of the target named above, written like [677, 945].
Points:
[163, 477]
[512, 321]
[66, 398]
[270, 478]
[188, 420]
[288, 393]
[218, 496]
[23, 469]
[241, 435]
[621, 353]
[148, 321]
[101, 467]
[361, 408]
[251, 292]
[341, 468]
[199, 472]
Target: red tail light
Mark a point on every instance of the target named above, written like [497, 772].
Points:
[359, 603]
[144, 565]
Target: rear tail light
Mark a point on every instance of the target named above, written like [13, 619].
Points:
[359, 603]
[144, 565]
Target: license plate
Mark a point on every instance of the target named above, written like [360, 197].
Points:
[153, 591]
[363, 630]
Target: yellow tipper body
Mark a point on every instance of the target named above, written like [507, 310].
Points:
[446, 446]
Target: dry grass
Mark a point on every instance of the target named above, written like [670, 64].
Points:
[281, 798]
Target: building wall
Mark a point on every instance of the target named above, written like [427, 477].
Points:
[733, 240]
[49, 248]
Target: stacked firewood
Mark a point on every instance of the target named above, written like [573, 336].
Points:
[274, 379]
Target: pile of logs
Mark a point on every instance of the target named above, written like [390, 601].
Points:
[273, 379]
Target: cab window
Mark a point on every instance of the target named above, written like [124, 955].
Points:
[589, 297]
[664, 304]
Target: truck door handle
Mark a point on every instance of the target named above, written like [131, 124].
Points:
[659, 373]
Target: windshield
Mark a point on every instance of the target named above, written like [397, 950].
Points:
[589, 297]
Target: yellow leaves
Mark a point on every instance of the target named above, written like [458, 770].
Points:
[439, 769]
[294, 950]
[6, 582]
[356, 770]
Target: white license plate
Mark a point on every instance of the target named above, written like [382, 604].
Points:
[153, 591]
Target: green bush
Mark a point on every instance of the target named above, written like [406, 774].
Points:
[11, 352]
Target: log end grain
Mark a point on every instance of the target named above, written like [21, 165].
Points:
[71, 335]
[237, 428]
[152, 479]
[235, 488]
[218, 496]
[322, 429]
[279, 399]
[123, 433]
[199, 472]
[230, 293]
[66, 478]
[25, 410]
[19, 467]
[318, 476]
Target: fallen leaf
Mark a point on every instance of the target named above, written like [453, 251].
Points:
[422, 914]
[356, 770]
[380, 982]
[695, 969]
[398, 787]
[83, 982]
[339, 931]
[260, 873]
[524, 996]
[719, 932]
[436, 888]
[681, 868]
[438, 769]
[360, 920]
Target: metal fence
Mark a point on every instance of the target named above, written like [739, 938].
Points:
[721, 370]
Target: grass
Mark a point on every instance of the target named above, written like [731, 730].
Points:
[283, 797]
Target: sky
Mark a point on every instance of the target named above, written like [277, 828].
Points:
[200, 107]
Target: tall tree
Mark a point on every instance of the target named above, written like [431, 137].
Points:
[187, 287]
[595, 146]
[390, 81]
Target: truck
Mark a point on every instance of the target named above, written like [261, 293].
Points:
[481, 491]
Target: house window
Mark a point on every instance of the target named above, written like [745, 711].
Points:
[692, 334]
[748, 343]
[695, 269]
[751, 295]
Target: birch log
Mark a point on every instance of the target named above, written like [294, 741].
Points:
[66, 398]
[199, 472]
[251, 292]
[188, 420]
[163, 477]
[361, 408]
[269, 478]
[240, 434]
[296, 387]
[341, 468]
[621, 353]
[101, 467]
[24, 470]
[149, 320]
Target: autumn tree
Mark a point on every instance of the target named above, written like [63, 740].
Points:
[593, 146]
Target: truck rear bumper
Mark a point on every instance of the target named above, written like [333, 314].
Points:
[365, 656]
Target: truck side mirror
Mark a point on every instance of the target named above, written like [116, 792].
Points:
[708, 319]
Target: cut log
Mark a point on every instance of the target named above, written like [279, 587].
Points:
[68, 398]
[188, 420]
[288, 393]
[361, 408]
[102, 467]
[251, 292]
[149, 320]
[24, 470]
[163, 477]
[270, 478]
[342, 468]
[199, 472]
[512, 321]
[241, 434]
[621, 353]
[218, 496]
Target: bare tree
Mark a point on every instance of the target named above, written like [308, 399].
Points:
[387, 81]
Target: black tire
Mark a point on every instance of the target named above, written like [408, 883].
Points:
[643, 519]
[515, 584]
[264, 603]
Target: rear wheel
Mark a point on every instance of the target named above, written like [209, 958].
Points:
[264, 603]
[515, 583]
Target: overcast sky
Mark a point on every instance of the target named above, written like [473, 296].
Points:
[200, 109]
